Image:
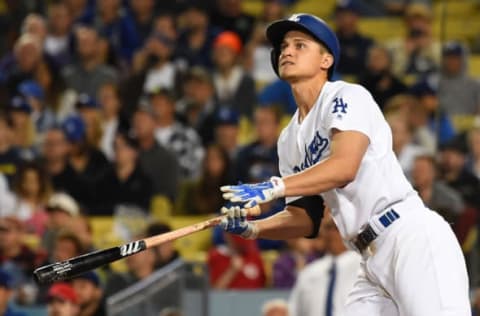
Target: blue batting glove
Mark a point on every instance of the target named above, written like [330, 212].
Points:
[235, 222]
[256, 193]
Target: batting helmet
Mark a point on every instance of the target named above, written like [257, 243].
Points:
[309, 24]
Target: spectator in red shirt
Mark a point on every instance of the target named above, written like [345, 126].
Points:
[236, 265]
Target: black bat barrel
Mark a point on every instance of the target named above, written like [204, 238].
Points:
[71, 268]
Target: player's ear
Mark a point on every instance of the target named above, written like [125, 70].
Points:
[327, 60]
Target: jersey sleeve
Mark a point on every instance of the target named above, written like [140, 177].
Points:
[352, 108]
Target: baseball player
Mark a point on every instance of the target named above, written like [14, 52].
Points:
[338, 147]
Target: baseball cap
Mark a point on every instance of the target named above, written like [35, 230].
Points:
[6, 280]
[228, 39]
[453, 48]
[198, 73]
[31, 88]
[63, 291]
[74, 128]
[85, 101]
[457, 144]
[91, 276]
[424, 87]
[418, 10]
[64, 202]
[162, 91]
[19, 104]
[227, 116]
[346, 6]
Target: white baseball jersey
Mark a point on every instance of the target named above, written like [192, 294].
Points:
[380, 181]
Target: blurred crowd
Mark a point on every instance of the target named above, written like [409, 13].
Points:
[111, 104]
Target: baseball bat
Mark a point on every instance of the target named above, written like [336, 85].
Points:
[64, 270]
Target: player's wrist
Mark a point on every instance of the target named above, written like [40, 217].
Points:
[278, 187]
[251, 232]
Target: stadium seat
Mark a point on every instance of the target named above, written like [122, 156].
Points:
[269, 257]
[195, 246]
[161, 208]
[474, 65]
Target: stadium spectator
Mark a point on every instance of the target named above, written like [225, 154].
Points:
[89, 292]
[234, 87]
[227, 129]
[458, 93]
[67, 245]
[142, 14]
[63, 211]
[42, 116]
[418, 53]
[291, 261]
[474, 146]
[88, 73]
[182, 140]
[435, 193]
[165, 253]
[354, 45]
[152, 66]
[36, 25]
[16, 257]
[6, 294]
[237, 264]
[453, 157]
[62, 300]
[32, 189]
[112, 118]
[88, 163]
[9, 154]
[202, 196]
[195, 36]
[323, 286]
[228, 15]
[125, 183]
[57, 43]
[403, 146]
[26, 62]
[257, 49]
[278, 92]
[55, 150]
[378, 77]
[275, 307]
[155, 160]
[197, 106]
[87, 107]
[113, 24]
[258, 160]
[139, 267]
[24, 135]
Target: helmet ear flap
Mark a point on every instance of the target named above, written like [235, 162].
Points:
[274, 55]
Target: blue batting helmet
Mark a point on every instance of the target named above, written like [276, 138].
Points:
[309, 24]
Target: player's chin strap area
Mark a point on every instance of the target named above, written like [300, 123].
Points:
[374, 228]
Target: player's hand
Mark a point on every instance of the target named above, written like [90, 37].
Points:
[253, 194]
[235, 222]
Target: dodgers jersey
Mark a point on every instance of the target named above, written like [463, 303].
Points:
[380, 181]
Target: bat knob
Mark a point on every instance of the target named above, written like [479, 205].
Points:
[51, 273]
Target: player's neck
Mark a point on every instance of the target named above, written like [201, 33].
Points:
[306, 93]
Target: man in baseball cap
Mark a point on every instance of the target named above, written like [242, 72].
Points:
[62, 300]
[89, 294]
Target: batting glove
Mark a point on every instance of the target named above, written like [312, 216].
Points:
[235, 222]
[253, 194]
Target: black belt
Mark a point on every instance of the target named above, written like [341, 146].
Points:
[368, 234]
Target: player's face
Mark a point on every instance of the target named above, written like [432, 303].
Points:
[302, 57]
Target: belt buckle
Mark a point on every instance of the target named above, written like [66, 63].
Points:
[364, 238]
